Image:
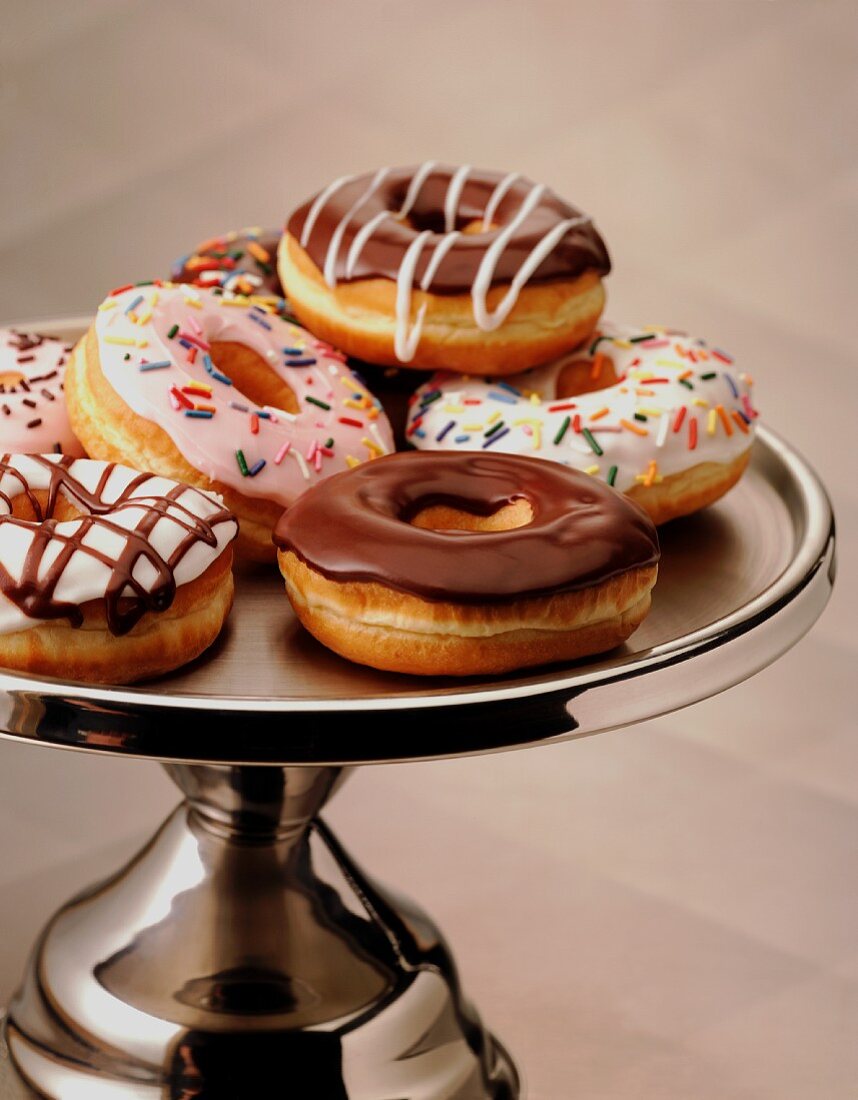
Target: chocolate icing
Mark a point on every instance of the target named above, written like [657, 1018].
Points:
[580, 249]
[354, 527]
[126, 600]
[228, 256]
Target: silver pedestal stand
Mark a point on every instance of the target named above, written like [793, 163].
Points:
[242, 952]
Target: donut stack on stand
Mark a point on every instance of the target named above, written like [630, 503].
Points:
[496, 283]
[245, 399]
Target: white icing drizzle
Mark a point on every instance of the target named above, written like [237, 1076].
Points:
[438, 255]
[361, 237]
[317, 206]
[337, 236]
[405, 342]
[453, 196]
[363, 234]
[497, 197]
[416, 186]
[487, 321]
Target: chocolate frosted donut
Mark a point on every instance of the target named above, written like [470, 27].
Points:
[444, 267]
[243, 261]
[387, 210]
[467, 563]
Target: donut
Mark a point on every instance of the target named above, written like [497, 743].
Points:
[446, 268]
[393, 388]
[210, 389]
[457, 565]
[107, 574]
[33, 417]
[243, 261]
[654, 412]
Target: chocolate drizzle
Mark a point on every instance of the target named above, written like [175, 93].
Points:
[361, 200]
[354, 527]
[126, 598]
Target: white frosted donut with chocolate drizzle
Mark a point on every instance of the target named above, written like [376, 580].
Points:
[108, 574]
[656, 413]
[451, 268]
[33, 416]
[214, 390]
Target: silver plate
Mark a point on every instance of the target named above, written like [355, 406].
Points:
[739, 583]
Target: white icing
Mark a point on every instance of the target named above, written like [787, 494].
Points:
[85, 577]
[316, 208]
[366, 231]
[453, 196]
[414, 188]
[437, 257]
[487, 321]
[337, 236]
[533, 419]
[361, 237]
[497, 198]
[405, 341]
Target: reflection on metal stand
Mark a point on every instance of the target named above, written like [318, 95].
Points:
[243, 947]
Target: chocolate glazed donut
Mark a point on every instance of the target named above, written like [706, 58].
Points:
[243, 260]
[514, 254]
[571, 575]
[406, 201]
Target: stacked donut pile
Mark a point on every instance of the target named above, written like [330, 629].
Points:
[247, 399]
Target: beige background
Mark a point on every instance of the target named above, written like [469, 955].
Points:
[667, 912]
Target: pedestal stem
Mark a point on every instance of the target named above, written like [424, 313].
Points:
[272, 804]
[242, 952]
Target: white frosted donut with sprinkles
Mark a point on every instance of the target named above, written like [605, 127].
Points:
[33, 416]
[219, 391]
[654, 412]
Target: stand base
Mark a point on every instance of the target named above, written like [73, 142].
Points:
[242, 953]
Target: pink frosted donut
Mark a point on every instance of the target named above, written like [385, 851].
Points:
[33, 416]
[212, 389]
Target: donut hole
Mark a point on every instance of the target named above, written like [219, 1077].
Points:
[476, 226]
[579, 376]
[435, 222]
[445, 517]
[33, 507]
[252, 376]
[10, 379]
[421, 220]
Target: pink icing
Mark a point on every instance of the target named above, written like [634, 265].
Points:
[340, 424]
[33, 416]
